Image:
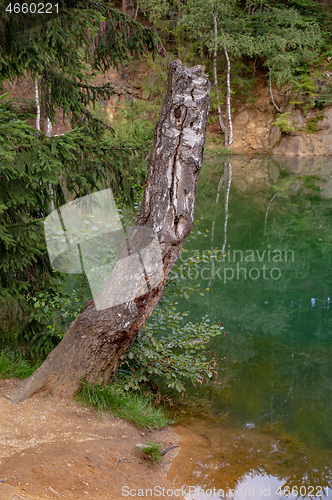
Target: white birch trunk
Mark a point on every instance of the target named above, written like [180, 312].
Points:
[48, 133]
[37, 104]
[136, 11]
[48, 122]
[226, 130]
[228, 101]
[271, 93]
[215, 53]
[48, 127]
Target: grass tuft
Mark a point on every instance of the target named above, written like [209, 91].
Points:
[15, 365]
[123, 404]
[152, 451]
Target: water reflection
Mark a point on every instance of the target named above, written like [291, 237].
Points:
[271, 286]
[230, 462]
[257, 487]
[227, 177]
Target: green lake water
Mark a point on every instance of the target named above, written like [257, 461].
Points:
[269, 221]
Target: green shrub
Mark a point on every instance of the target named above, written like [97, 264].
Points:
[312, 124]
[57, 310]
[284, 123]
[51, 310]
[306, 85]
[325, 97]
[176, 357]
[308, 90]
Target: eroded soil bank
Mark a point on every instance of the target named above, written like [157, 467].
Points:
[52, 448]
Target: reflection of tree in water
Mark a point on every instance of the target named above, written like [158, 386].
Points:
[227, 176]
[267, 212]
[280, 331]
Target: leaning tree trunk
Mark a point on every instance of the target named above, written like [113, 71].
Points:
[96, 340]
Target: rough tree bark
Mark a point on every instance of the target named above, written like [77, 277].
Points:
[96, 340]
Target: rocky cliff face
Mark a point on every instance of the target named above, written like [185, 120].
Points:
[254, 132]
[304, 144]
[252, 129]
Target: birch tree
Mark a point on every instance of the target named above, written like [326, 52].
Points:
[219, 26]
[37, 104]
[229, 125]
[96, 340]
[215, 73]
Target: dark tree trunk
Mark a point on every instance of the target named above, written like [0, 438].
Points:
[96, 340]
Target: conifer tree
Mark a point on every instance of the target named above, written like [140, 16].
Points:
[284, 40]
[61, 52]
[65, 52]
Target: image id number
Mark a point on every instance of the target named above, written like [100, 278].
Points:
[303, 491]
[32, 8]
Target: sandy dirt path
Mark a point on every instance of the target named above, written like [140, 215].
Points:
[52, 448]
